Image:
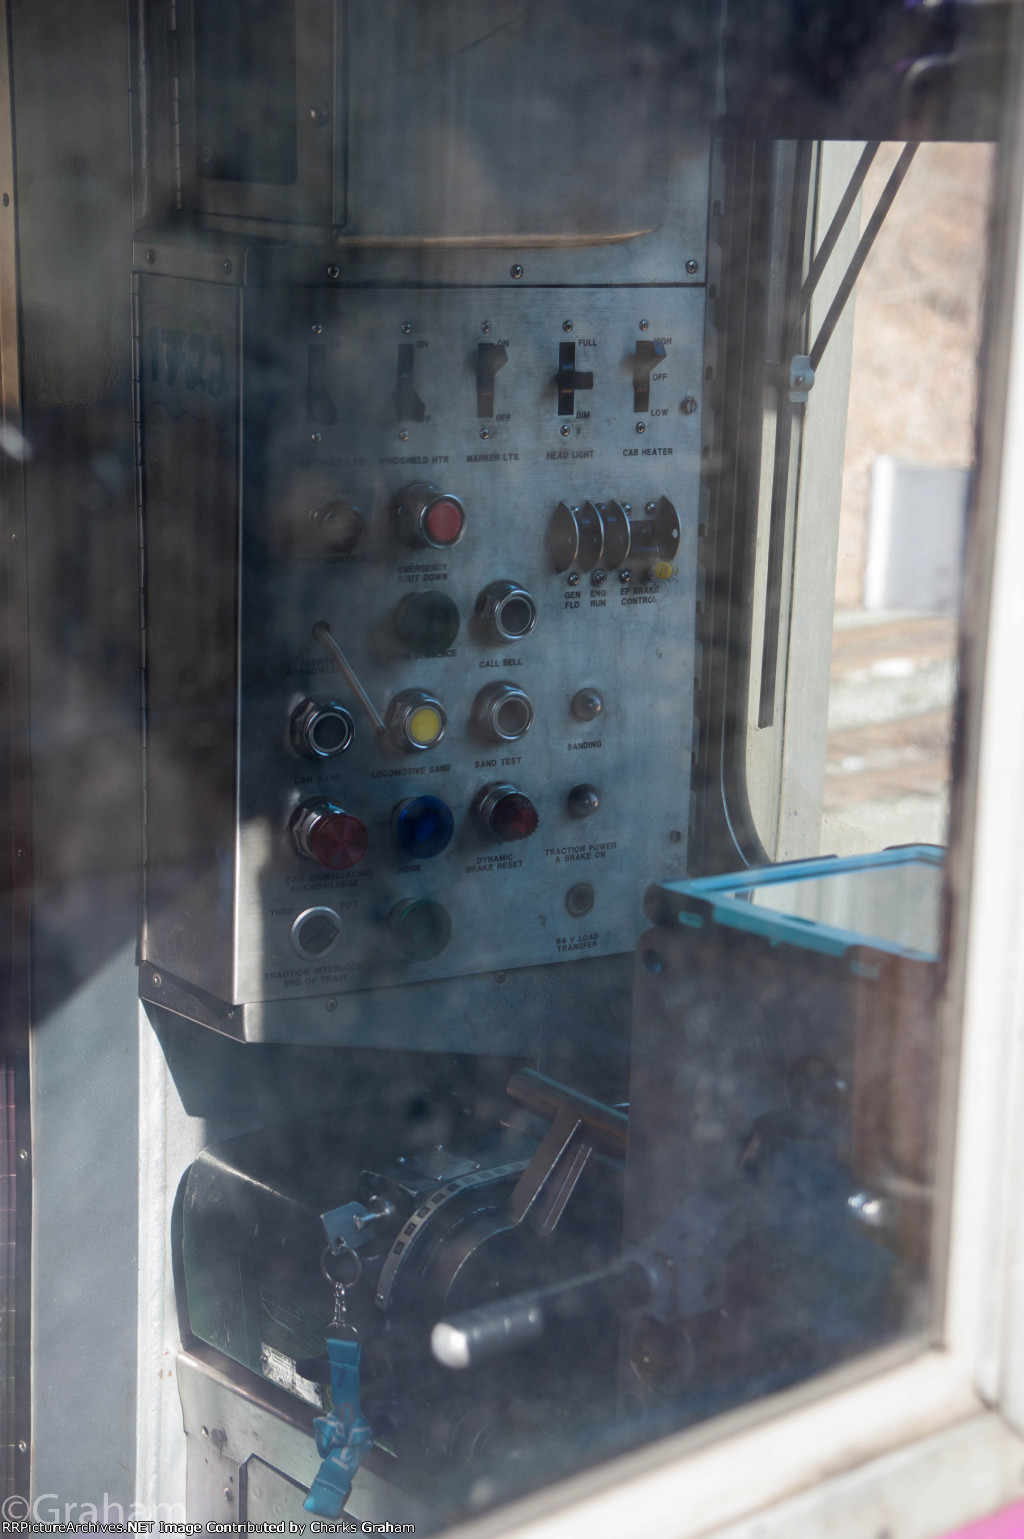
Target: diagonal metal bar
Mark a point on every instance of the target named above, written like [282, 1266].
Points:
[860, 256]
[839, 218]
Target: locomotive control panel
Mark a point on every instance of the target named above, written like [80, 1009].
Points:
[457, 533]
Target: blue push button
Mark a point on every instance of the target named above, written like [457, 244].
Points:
[422, 826]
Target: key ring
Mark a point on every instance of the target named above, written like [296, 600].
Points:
[342, 1253]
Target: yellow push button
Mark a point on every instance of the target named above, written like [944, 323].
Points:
[663, 570]
[416, 720]
[424, 726]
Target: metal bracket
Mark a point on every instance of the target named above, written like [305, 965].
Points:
[801, 378]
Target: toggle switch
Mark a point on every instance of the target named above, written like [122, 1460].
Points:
[646, 355]
[408, 406]
[490, 357]
[569, 379]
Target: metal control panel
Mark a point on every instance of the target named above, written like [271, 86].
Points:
[456, 734]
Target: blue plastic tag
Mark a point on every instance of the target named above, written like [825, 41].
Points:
[342, 1436]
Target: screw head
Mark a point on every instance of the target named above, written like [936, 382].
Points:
[688, 405]
[573, 579]
[23, 1154]
[691, 265]
[485, 432]
[567, 325]
[22, 1445]
[515, 271]
[652, 507]
[644, 325]
[150, 256]
[314, 438]
[406, 328]
[334, 271]
[317, 328]
[6, 200]
[404, 436]
[565, 430]
[157, 980]
[485, 326]
[331, 1004]
[227, 264]
[641, 427]
[676, 836]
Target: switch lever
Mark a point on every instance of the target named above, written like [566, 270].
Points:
[645, 357]
[408, 406]
[490, 357]
[569, 379]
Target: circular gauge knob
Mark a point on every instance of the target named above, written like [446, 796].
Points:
[504, 813]
[326, 833]
[506, 611]
[584, 801]
[426, 516]
[321, 729]
[421, 927]
[416, 720]
[315, 933]
[503, 713]
[422, 826]
[339, 523]
[428, 623]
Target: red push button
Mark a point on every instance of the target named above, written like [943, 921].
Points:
[326, 833]
[504, 813]
[444, 521]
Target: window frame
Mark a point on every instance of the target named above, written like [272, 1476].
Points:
[926, 1445]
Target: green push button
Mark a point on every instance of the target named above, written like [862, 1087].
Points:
[428, 623]
[421, 927]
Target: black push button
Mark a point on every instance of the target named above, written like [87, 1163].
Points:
[569, 379]
[490, 357]
[644, 359]
[408, 406]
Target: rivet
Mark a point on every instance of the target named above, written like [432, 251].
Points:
[565, 430]
[598, 577]
[314, 438]
[515, 271]
[644, 325]
[573, 579]
[485, 433]
[567, 325]
[689, 405]
[676, 836]
[406, 328]
[334, 271]
[317, 328]
[22, 1444]
[331, 1004]
[227, 264]
[151, 256]
[404, 436]
[23, 1154]
[485, 326]
[641, 427]
[157, 980]
[691, 265]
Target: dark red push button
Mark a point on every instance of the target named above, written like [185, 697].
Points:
[338, 841]
[326, 833]
[504, 813]
[514, 817]
[444, 522]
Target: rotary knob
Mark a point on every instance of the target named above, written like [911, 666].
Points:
[324, 832]
[425, 516]
[504, 813]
